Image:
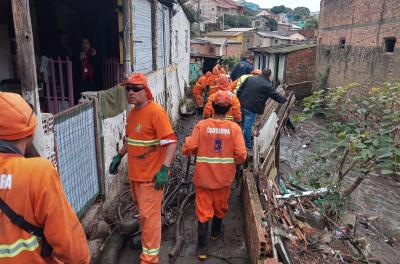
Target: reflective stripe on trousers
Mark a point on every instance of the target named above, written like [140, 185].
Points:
[143, 143]
[150, 252]
[9, 251]
[215, 160]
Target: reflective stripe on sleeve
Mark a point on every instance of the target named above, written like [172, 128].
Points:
[143, 143]
[215, 160]
[9, 251]
[150, 252]
[228, 117]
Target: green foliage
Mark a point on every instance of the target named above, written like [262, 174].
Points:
[232, 21]
[231, 61]
[312, 23]
[272, 24]
[301, 13]
[362, 136]
[281, 9]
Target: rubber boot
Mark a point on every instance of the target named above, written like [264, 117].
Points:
[202, 233]
[216, 228]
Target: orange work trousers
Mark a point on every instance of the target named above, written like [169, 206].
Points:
[148, 201]
[211, 202]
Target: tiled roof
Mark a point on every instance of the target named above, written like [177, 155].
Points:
[284, 49]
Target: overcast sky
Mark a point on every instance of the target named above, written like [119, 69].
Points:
[313, 5]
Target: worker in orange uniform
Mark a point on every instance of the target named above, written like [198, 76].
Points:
[151, 143]
[219, 145]
[37, 224]
[234, 113]
[234, 86]
[198, 91]
[211, 80]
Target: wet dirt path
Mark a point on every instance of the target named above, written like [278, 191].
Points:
[231, 248]
[375, 197]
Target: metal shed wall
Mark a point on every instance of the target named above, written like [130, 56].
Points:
[163, 36]
[142, 41]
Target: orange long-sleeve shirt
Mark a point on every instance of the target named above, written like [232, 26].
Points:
[198, 90]
[32, 188]
[219, 145]
[234, 114]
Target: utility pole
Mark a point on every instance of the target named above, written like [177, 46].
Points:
[27, 65]
[198, 15]
[25, 52]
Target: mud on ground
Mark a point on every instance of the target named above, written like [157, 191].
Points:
[377, 197]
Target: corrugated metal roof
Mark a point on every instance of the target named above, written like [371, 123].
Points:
[284, 49]
[273, 35]
[215, 41]
[239, 29]
[223, 34]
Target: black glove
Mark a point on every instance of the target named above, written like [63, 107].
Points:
[199, 110]
[290, 125]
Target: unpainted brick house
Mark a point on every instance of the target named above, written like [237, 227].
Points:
[292, 65]
[358, 41]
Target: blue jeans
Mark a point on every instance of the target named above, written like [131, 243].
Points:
[247, 126]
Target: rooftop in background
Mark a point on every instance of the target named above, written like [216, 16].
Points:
[273, 35]
[223, 34]
[214, 41]
[264, 13]
[284, 49]
[239, 29]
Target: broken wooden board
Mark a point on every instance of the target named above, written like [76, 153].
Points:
[257, 238]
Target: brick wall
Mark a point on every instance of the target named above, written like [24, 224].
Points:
[300, 71]
[301, 66]
[364, 25]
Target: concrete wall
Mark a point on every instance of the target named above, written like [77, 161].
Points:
[263, 23]
[363, 24]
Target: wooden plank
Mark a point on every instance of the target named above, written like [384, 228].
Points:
[257, 238]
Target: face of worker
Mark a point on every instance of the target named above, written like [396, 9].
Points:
[85, 45]
[135, 96]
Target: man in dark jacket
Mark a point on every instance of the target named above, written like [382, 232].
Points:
[252, 96]
[245, 66]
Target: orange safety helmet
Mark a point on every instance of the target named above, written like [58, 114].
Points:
[222, 98]
[256, 72]
[17, 119]
[222, 71]
[215, 70]
[222, 83]
[208, 74]
[139, 79]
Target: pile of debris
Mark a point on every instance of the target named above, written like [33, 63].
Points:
[300, 233]
[294, 229]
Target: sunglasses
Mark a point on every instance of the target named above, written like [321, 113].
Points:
[134, 89]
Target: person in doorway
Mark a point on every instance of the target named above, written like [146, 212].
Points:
[245, 66]
[37, 224]
[86, 58]
[253, 95]
[151, 143]
[198, 90]
[218, 145]
[234, 113]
